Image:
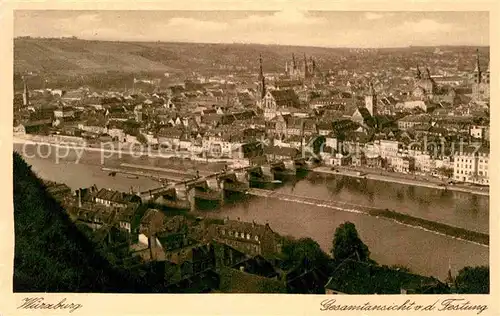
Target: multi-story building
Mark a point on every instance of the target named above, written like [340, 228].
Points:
[403, 164]
[275, 101]
[481, 132]
[424, 163]
[411, 121]
[471, 165]
[250, 238]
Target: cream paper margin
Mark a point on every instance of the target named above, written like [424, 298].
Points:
[225, 304]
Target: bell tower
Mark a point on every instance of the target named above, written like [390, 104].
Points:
[477, 69]
[371, 101]
[26, 93]
[262, 80]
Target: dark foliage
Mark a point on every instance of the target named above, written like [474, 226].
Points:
[354, 277]
[473, 280]
[348, 245]
[51, 253]
[303, 252]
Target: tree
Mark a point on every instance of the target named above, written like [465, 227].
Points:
[473, 280]
[445, 172]
[304, 251]
[347, 244]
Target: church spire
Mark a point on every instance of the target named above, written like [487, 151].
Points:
[294, 64]
[262, 80]
[26, 93]
[478, 67]
[427, 73]
[371, 90]
[306, 72]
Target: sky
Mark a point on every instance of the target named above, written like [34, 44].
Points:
[287, 27]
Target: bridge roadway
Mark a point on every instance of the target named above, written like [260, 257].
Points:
[193, 180]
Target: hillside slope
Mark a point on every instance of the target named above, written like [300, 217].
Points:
[51, 254]
[58, 56]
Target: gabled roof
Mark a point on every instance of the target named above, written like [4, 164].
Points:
[324, 125]
[246, 227]
[282, 97]
[282, 151]
[172, 132]
[363, 112]
[116, 196]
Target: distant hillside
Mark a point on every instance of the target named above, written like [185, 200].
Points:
[77, 62]
[51, 254]
[82, 57]
[58, 56]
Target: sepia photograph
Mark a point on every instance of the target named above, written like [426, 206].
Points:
[288, 151]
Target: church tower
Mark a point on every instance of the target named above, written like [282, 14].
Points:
[481, 84]
[26, 93]
[306, 70]
[262, 81]
[419, 74]
[371, 101]
[477, 69]
[313, 67]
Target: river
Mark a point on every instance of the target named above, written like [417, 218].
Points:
[389, 242]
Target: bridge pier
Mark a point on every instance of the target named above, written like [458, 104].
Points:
[191, 198]
[222, 198]
[267, 172]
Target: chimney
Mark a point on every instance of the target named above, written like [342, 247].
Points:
[253, 223]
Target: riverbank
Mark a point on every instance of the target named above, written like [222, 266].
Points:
[135, 150]
[179, 162]
[400, 180]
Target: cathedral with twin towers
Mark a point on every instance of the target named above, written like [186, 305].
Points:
[306, 69]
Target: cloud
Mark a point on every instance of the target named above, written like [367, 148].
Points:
[88, 18]
[285, 18]
[427, 26]
[287, 27]
[190, 24]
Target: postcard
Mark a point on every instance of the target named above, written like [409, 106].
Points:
[281, 158]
